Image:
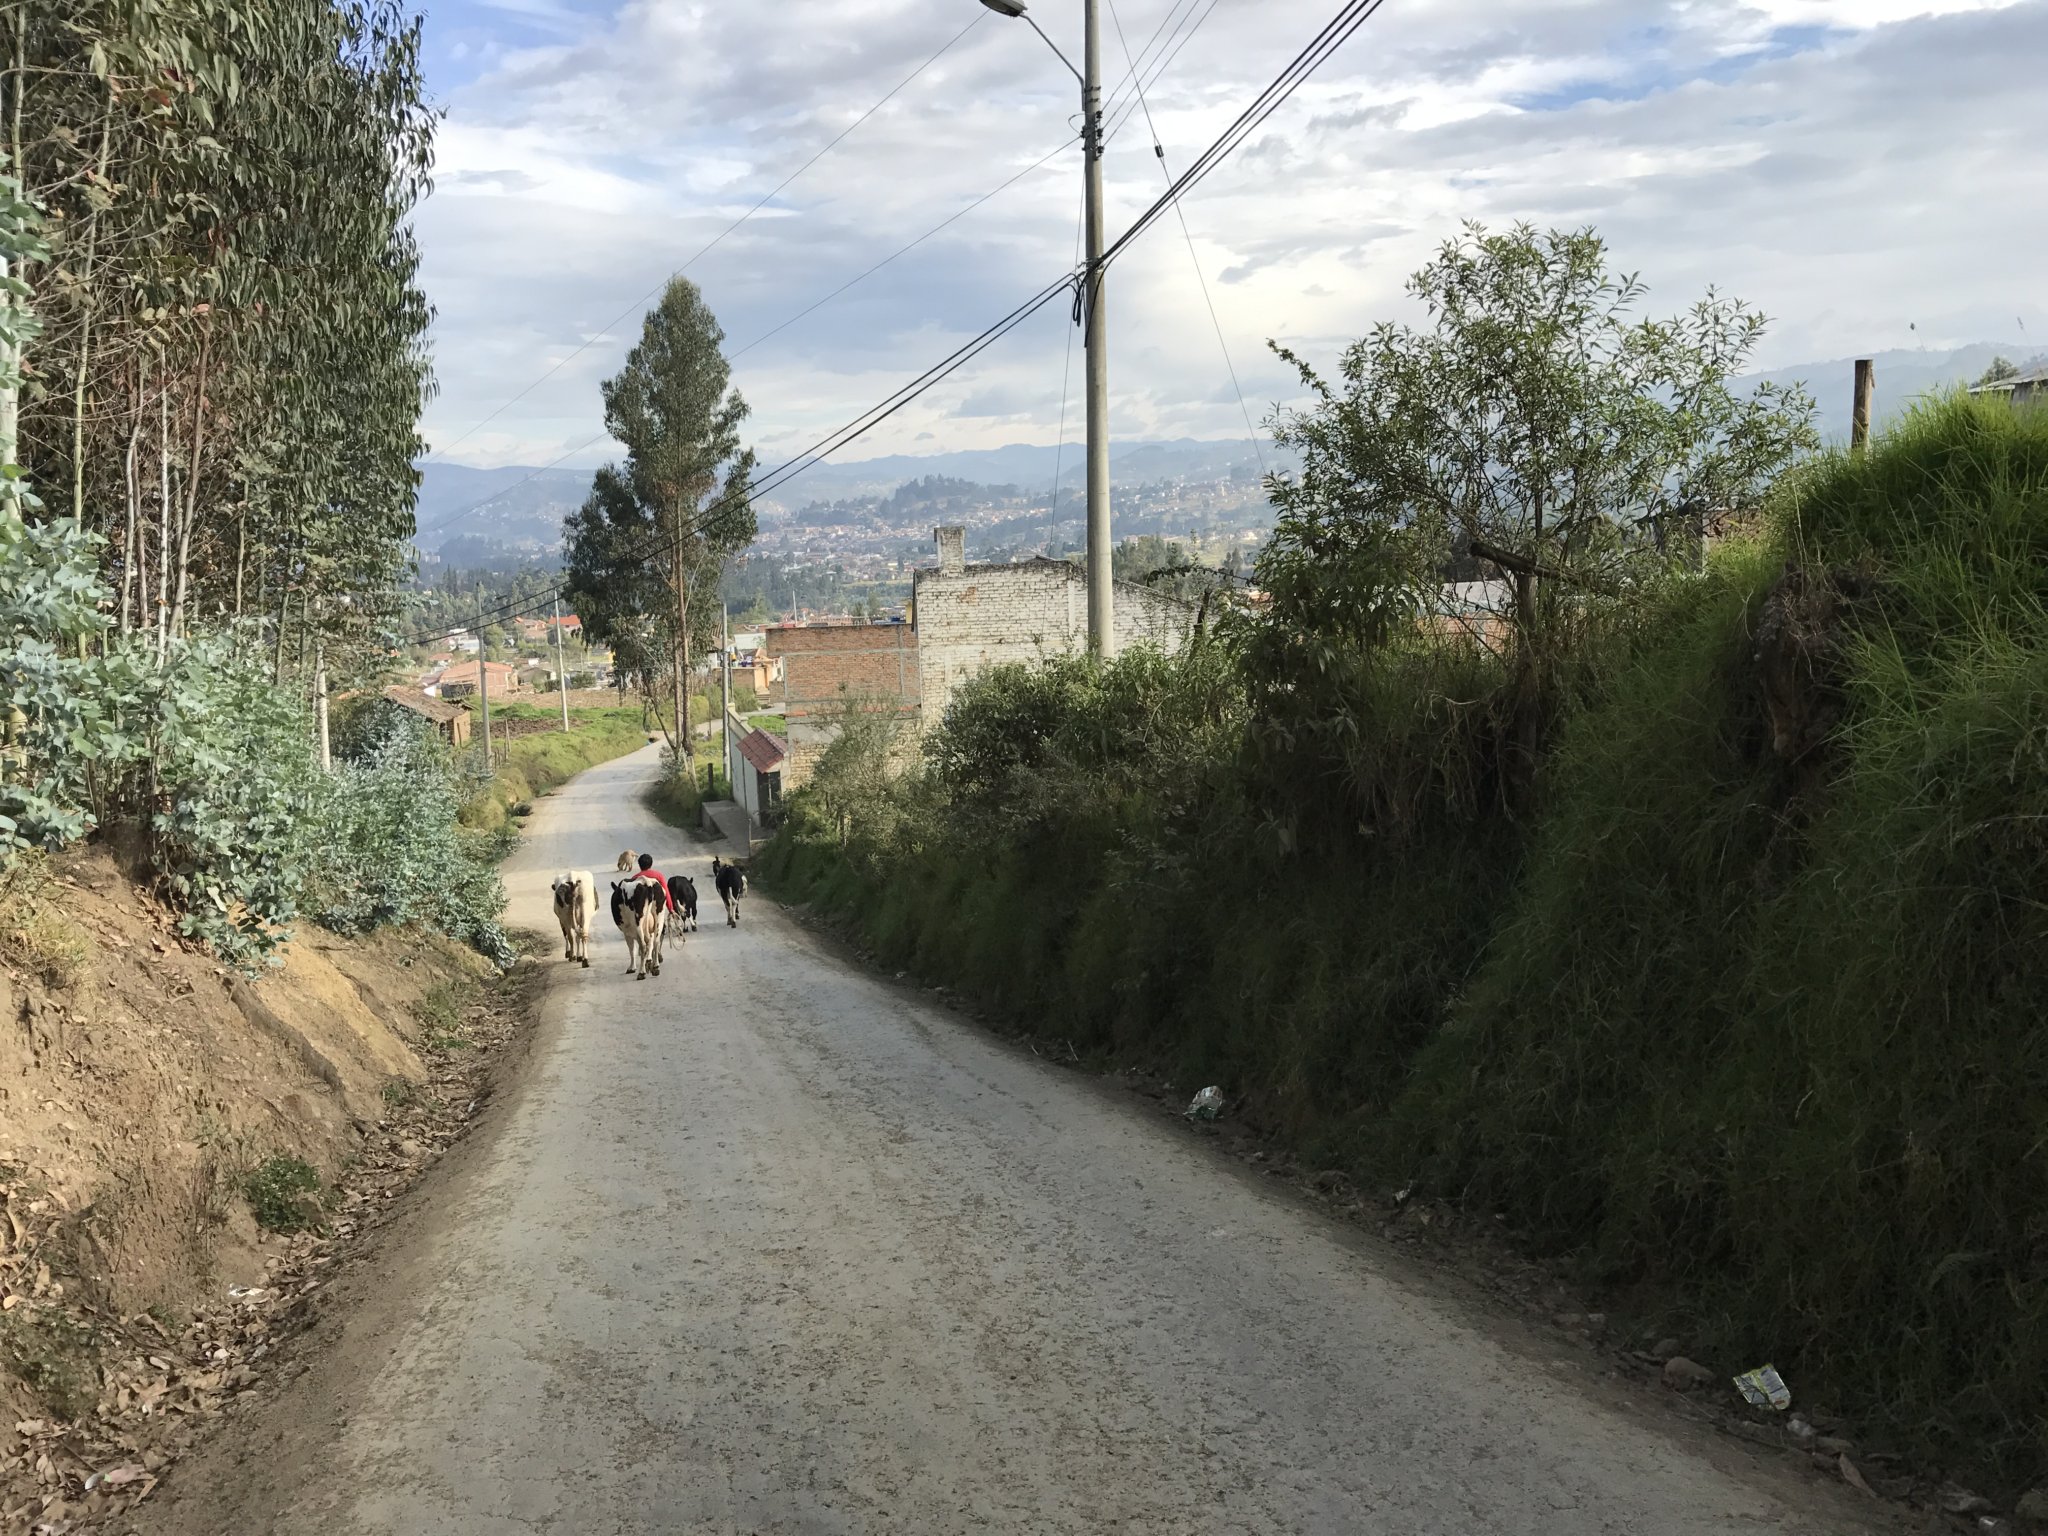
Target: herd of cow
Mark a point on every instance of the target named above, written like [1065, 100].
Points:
[644, 906]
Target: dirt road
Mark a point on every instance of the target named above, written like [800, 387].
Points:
[770, 1246]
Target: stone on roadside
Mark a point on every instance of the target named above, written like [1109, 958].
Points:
[1666, 1348]
[1684, 1375]
[1960, 1501]
[2033, 1505]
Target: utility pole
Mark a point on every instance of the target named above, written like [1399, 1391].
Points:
[483, 691]
[1866, 392]
[725, 686]
[1101, 593]
[561, 664]
[1095, 317]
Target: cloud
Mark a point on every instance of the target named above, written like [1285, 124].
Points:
[1852, 170]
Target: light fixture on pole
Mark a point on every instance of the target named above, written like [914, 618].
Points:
[1101, 615]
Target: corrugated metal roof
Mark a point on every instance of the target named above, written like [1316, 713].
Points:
[438, 710]
[764, 751]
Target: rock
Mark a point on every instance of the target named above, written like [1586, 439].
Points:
[1960, 1501]
[2033, 1505]
[1596, 1320]
[1834, 1445]
[1664, 1349]
[1684, 1375]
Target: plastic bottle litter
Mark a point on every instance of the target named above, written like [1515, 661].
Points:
[1764, 1388]
[1207, 1105]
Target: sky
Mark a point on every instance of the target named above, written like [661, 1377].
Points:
[1866, 172]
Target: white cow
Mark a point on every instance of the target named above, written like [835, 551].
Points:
[575, 910]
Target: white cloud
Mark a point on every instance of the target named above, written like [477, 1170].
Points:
[1854, 169]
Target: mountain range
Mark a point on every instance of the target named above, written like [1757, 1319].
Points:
[465, 511]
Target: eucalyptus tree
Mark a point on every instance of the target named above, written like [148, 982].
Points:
[647, 549]
[230, 384]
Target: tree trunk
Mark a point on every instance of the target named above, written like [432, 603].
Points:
[163, 542]
[92, 241]
[1528, 698]
[132, 545]
[190, 513]
[686, 757]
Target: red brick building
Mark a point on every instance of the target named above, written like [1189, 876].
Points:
[826, 666]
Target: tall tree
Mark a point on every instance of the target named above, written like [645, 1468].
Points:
[1535, 424]
[232, 374]
[647, 549]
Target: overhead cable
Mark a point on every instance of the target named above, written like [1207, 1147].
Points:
[781, 187]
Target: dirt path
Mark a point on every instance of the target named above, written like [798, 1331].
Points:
[768, 1246]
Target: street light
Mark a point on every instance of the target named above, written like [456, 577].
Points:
[1101, 615]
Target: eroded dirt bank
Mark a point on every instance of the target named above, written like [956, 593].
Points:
[153, 1105]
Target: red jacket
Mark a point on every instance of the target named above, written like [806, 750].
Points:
[661, 885]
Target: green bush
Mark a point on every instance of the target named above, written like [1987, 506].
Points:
[1754, 1041]
[285, 1194]
[529, 766]
[1771, 1039]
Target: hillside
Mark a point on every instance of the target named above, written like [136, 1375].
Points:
[173, 1132]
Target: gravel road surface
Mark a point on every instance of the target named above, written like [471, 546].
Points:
[768, 1245]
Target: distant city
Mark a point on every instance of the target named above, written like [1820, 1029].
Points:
[861, 528]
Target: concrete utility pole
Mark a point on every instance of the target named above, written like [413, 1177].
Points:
[1101, 595]
[561, 664]
[1866, 392]
[1095, 317]
[725, 688]
[483, 691]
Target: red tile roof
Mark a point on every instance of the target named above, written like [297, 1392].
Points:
[764, 751]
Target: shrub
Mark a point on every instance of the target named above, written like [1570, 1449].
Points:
[284, 1194]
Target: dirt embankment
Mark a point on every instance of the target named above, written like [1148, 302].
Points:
[154, 1104]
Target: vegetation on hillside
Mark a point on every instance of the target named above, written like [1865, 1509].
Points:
[1693, 923]
[211, 369]
[227, 384]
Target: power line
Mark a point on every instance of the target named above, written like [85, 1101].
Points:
[1159, 69]
[1159, 149]
[904, 250]
[1335, 33]
[833, 442]
[453, 518]
[780, 188]
[1116, 97]
[1066, 385]
[1349, 18]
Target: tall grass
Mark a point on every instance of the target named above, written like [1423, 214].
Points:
[528, 766]
[1761, 1042]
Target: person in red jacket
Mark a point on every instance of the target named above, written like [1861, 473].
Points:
[649, 872]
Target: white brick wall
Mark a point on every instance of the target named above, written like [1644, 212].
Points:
[996, 613]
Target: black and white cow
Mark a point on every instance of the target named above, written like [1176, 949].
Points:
[684, 890]
[731, 880]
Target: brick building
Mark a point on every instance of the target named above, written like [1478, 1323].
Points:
[963, 618]
[823, 666]
[969, 617]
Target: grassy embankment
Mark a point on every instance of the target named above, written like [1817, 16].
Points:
[1757, 1043]
[528, 766]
